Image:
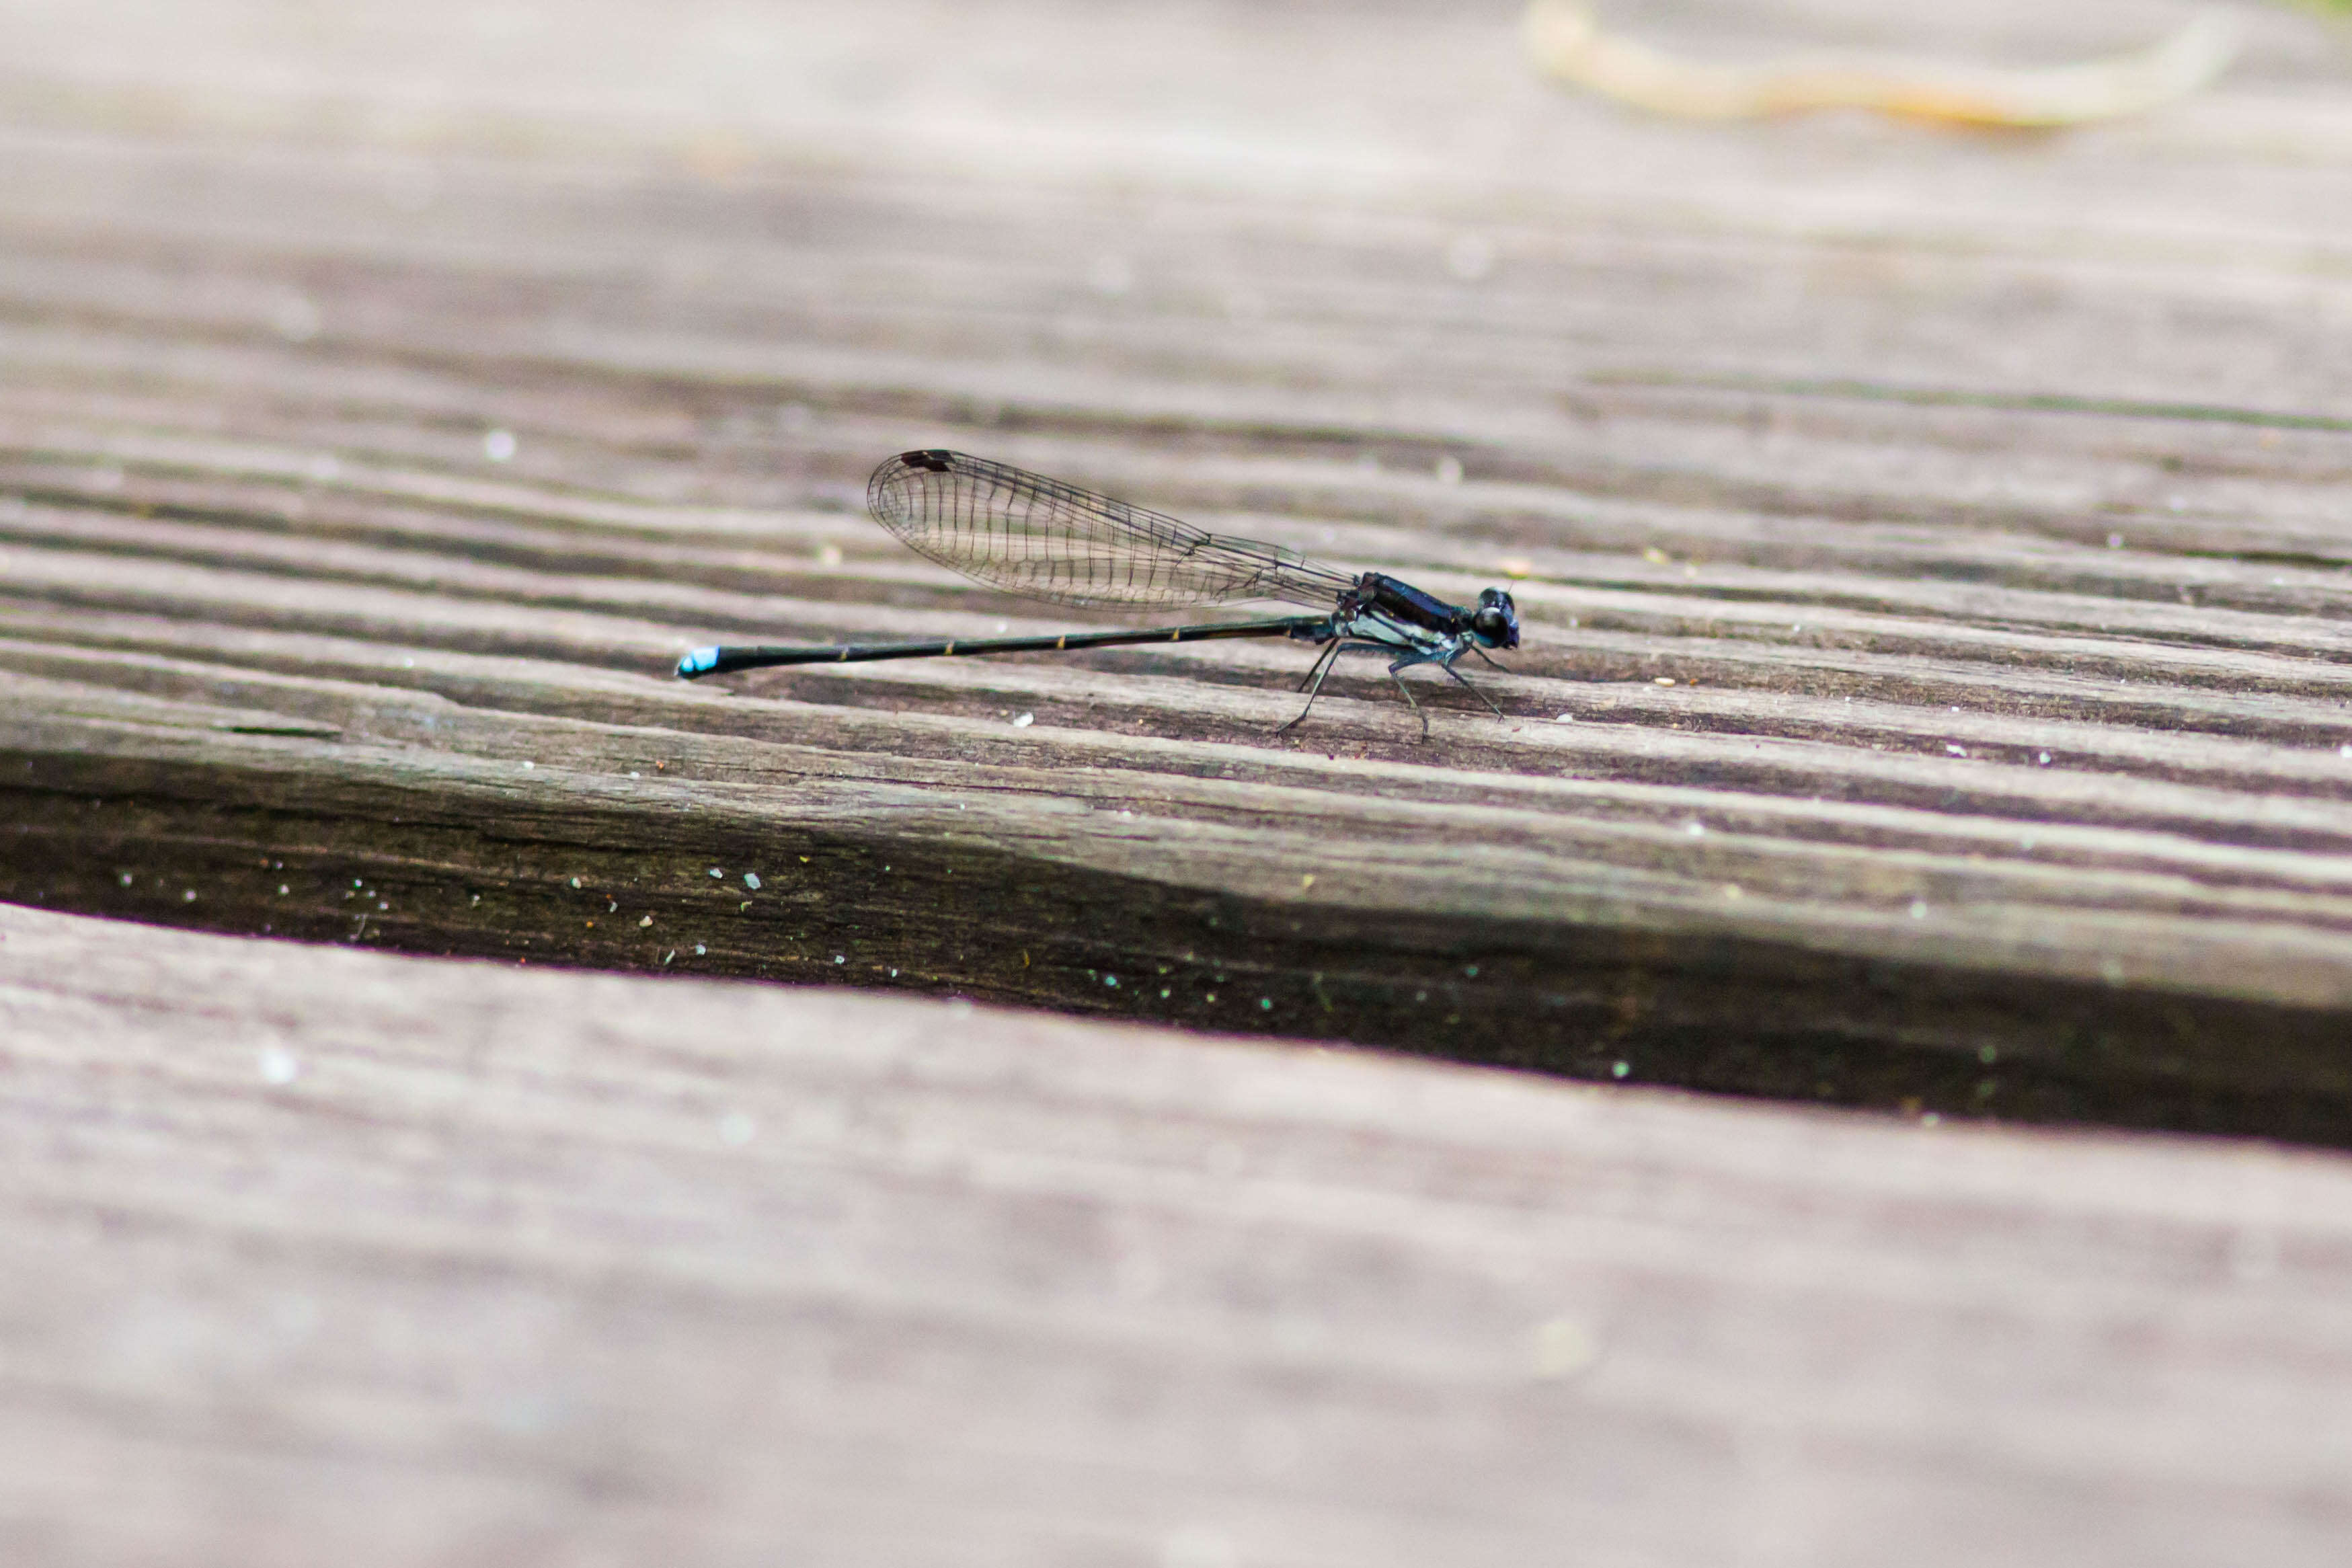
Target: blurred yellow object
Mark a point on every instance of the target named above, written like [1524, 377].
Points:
[1568, 43]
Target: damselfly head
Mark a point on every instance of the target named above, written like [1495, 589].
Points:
[1496, 621]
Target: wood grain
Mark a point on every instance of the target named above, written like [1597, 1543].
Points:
[1931, 549]
[324, 1255]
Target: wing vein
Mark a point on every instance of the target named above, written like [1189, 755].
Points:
[1046, 540]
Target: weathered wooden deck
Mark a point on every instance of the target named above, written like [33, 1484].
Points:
[1912, 461]
[1932, 550]
[353, 1259]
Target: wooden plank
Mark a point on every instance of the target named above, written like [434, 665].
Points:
[1930, 547]
[326, 1256]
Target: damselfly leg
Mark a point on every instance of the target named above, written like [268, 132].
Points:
[1314, 675]
[1312, 684]
[1464, 681]
[1322, 667]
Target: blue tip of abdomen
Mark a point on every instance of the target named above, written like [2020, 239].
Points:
[700, 661]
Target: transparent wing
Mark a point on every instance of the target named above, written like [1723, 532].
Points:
[1039, 537]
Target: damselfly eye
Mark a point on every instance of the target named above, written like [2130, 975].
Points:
[1497, 619]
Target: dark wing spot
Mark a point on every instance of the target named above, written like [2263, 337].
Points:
[936, 461]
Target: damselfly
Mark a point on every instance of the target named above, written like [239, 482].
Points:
[1046, 540]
